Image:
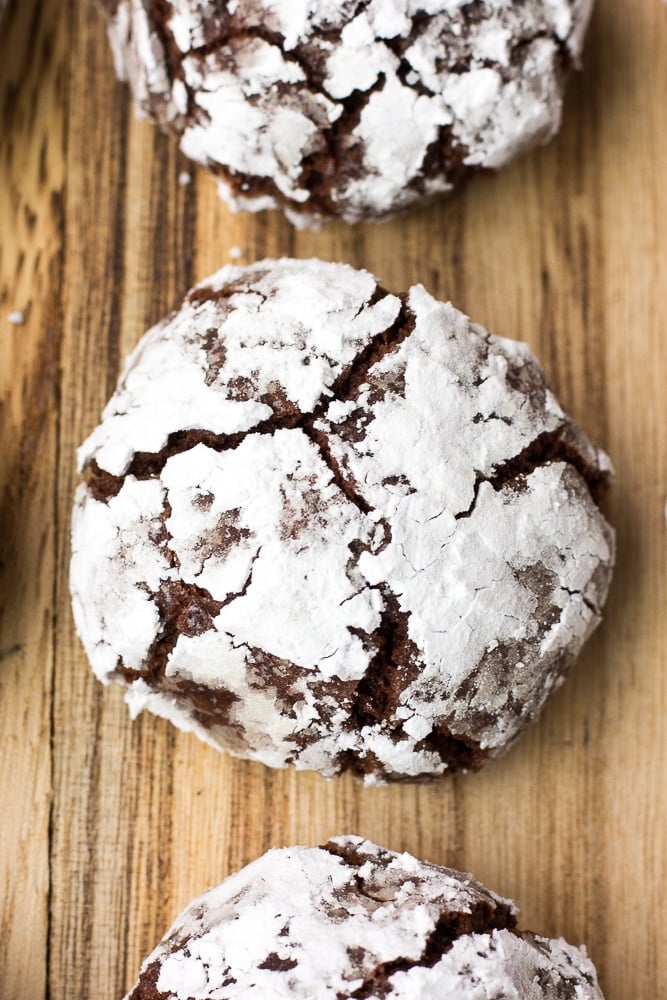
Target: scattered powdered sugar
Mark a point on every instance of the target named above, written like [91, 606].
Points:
[360, 518]
[348, 918]
[352, 109]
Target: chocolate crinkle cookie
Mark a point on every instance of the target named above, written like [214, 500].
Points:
[350, 921]
[328, 526]
[352, 109]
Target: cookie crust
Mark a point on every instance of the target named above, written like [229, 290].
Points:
[354, 109]
[353, 920]
[330, 526]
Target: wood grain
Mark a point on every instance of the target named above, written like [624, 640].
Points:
[109, 828]
[32, 167]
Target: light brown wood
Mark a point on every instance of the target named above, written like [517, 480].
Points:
[34, 62]
[108, 828]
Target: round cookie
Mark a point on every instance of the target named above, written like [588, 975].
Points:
[352, 920]
[329, 526]
[347, 109]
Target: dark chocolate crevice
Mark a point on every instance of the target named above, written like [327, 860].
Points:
[341, 158]
[395, 665]
[445, 157]
[351, 853]
[585, 600]
[559, 445]
[346, 386]
[102, 485]
[173, 57]
[246, 583]
[274, 963]
[146, 986]
[184, 609]
[459, 753]
[148, 465]
[345, 484]
[336, 155]
[483, 918]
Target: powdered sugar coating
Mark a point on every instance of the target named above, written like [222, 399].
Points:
[332, 527]
[352, 919]
[350, 109]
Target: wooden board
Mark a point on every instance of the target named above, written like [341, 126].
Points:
[108, 828]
